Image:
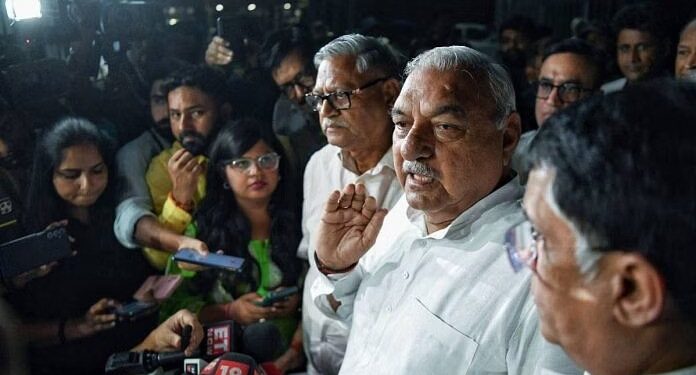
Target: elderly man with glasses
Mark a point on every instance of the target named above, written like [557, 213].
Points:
[428, 287]
[571, 70]
[611, 231]
[356, 86]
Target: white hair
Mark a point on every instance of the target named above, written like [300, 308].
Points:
[476, 65]
[370, 54]
[585, 256]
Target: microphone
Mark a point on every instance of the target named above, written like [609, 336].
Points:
[194, 366]
[134, 363]
[231, 364]
[261, 341]
[217, 341]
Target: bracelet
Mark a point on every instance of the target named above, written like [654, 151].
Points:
[326, 270]
[186, 207]
[61, 330]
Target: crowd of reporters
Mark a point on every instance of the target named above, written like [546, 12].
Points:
[225, 162]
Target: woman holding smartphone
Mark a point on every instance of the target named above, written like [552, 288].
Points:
[68, 315]
[249, 211]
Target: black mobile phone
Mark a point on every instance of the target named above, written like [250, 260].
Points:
[33, 251]
[278, 295]
[225, 262]
[134, 310]
[232, 30]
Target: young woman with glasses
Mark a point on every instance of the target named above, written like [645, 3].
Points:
[248, 212]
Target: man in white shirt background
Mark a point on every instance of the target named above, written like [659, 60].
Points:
[435, 293]
[571, 70]
[357, 83]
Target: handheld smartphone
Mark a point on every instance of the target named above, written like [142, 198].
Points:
[232, 31]
[278, 295]
[135, 310]
[212, 260]
[33, 251]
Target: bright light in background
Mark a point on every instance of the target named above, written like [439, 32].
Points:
[23, 9]
[251, 7]
[173, 21]
[287, 6]
[219, 7]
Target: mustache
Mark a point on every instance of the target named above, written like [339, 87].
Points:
[416, 167]
[191, 134]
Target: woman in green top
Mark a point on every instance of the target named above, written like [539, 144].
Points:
[251, 211]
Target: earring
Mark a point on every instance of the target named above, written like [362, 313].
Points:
[226, 186]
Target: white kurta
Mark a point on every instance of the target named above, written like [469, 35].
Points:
[328, 170]
[444, 303]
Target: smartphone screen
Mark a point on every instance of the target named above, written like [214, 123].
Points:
[233, 31]
[213, 260]
[279, 295]
[32, 251]
[135, 310]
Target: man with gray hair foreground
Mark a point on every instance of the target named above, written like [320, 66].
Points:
[613, 219]
[435, 294]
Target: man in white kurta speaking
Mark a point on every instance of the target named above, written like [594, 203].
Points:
[435, 294]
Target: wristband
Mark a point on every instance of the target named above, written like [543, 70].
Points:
[186, 207]
[326, 270]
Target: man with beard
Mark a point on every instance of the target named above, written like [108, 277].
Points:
[135, 156]
[197, 103]
[516, 35]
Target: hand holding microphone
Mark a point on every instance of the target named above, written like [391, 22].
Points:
[169, 336]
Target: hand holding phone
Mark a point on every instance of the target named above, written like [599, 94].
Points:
[232, 31]
[220, 261]
[134, 310]
[278, 296]
[33, 251]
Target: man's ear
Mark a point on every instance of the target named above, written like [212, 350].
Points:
[511, 136]
[225, 112]
[638, 290]
[390, 90]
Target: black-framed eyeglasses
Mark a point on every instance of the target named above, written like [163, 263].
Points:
[568, 92]
[267, 162]
[303, 79]
[339, 100]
